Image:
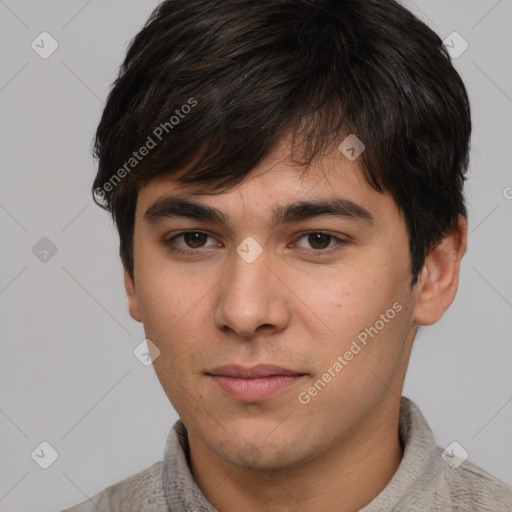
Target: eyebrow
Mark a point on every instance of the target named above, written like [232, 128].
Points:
[176, 206]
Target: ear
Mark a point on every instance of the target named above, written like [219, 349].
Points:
[439, 278]
[133, 303]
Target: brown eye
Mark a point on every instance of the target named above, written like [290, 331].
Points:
[194, 239]
[320, 243]
[319, 240]
[192, 242]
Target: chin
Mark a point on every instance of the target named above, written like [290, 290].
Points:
[261, 454]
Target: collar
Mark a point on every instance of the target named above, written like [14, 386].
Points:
[414, 483]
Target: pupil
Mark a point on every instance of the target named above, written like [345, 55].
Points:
[317, 238]
[194, 239]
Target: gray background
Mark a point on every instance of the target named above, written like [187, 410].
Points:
[67, 372]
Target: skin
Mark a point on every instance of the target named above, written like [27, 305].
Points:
[292, 309]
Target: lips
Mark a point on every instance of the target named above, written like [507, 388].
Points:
[252, 372]
[255, 383]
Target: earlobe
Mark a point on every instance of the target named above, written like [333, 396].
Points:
[439, 278]
[133, 303]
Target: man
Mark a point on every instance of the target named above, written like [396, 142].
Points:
[287, 180]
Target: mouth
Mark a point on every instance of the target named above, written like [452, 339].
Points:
[256, 383]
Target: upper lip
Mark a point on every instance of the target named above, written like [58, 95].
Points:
[252, 372]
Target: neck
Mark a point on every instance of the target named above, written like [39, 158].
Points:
[348, 477]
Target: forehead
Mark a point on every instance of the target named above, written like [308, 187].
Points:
[269, 190]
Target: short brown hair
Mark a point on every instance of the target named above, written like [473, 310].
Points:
[225, 79]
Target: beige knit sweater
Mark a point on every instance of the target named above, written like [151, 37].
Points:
[423, 481]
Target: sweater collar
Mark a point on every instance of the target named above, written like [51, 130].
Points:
[415, 479]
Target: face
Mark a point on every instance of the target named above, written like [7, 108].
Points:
[325, 297]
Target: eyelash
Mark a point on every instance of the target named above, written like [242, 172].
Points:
[316, 252]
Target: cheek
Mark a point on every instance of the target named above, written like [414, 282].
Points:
[363, 366]
[167, 293]
[177, 313]
[350, 302]
[346, 298]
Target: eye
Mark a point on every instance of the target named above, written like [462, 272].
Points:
[193, 240]
[320, 242]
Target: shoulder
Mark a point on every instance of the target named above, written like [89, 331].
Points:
[470, 487]
[140, 492]
[427, 480]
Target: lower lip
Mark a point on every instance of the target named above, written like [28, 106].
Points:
[257, 389]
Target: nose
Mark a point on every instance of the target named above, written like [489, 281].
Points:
[252, 296]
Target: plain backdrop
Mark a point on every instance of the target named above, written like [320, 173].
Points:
[68, 375]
